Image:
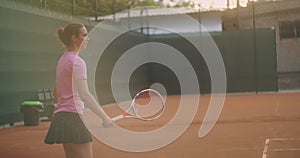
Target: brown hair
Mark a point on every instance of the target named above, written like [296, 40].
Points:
[65, 34]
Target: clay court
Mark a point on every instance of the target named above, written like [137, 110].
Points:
[250, 126]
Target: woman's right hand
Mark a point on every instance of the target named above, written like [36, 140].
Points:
[107, 122]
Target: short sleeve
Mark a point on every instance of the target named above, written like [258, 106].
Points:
[79, 69]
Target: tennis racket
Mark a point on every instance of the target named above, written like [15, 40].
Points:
[146, 105]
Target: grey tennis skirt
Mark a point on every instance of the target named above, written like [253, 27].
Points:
[67, 127]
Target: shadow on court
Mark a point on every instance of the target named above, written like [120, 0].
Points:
[250, 126]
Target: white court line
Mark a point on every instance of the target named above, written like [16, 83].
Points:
[267, 143]
[284, 139]
[285, 149]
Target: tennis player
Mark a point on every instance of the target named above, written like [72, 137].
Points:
[72, 93]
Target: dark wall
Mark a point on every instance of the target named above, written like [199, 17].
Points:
[249, 67]
[29, 50]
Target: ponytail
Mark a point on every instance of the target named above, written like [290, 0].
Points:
[61, 36]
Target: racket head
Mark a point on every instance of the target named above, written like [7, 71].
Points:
[148, 105]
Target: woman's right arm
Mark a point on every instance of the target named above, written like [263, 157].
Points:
[91, 102]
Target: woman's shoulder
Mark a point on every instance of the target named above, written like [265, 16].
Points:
[72, 57]
[78, 60]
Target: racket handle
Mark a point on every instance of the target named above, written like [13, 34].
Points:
[117, 118]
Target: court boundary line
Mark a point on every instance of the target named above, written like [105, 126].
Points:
[266, 147]
[267, 143]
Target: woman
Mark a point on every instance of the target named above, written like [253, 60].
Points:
[72, 93]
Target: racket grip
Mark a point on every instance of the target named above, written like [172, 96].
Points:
[117, 118]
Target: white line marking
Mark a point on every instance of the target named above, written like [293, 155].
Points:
[284, 139]
[285, 149]
[267, 143]
[266, 148]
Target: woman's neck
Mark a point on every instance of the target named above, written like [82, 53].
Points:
[72, 49]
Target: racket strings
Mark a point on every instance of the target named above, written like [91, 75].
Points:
[148, 105]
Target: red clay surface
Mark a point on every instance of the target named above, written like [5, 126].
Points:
[245, 123]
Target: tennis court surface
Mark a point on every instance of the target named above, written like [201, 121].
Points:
[250, 126]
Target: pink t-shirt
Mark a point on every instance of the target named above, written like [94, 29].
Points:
[69, 68]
